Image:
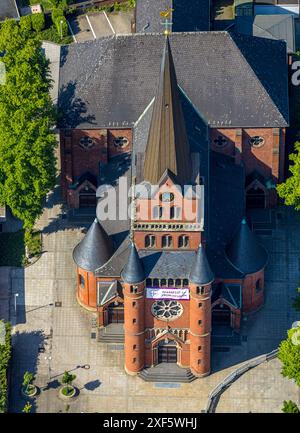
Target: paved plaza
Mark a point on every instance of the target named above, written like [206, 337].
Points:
[53, 334]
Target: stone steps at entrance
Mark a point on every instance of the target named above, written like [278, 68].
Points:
[113, 333]
[166, 372]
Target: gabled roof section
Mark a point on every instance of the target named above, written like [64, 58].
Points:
[245, 252]
[94, 250]
[168, 146]
[201, 273]
[232, 80]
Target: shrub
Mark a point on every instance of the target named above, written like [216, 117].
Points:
[38, 22]
[26, 24]
[290, 407]
[56, 12]
[5, 354]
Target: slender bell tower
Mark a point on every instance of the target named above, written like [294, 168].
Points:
[201, 278]
[134, 312]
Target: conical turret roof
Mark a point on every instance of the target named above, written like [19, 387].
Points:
[168, 145]
[94, 250]
[133, 271]
[245, 252]
[201, 273]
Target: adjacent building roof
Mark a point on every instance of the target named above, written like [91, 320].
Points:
[232, 80]
[8, 9]
[133, 271]
[201, 273]
[94, 250]
[168, 146]
[245, 252]
[187, 16]
[275, 27]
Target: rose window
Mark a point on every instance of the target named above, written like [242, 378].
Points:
[167, 310]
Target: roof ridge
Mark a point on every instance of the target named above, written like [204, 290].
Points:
[256, 77]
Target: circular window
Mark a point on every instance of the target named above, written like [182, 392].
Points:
[167, 196]
[86, 142]
[166, 310]
[256, 141]
[220, 141]
[121, 142]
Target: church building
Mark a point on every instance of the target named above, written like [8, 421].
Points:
[198, 130]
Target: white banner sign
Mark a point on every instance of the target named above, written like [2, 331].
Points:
[168, 293]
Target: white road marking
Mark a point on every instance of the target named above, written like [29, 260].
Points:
[88, 20]
[110, 24]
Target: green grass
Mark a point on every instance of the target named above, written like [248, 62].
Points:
[34, 244]
[51, 35]
[12, 248]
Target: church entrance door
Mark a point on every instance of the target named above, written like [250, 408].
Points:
[255, 199]
[87, 198]
[167, 352]
[115, 314]
[221, 315]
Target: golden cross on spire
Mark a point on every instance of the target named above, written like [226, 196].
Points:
[165, 15]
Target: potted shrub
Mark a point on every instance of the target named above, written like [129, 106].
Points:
[67, 390]
[28, 389]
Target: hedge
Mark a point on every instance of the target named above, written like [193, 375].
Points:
[38, 22]
[5, 354]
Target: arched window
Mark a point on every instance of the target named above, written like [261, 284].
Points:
[185, 282]
[148, 282]
[81, 281]
[149, 241]
[183, 241]
[157, 212]
[258, 286]
[174, 212]
[177, 282]
[166, 241]
[155, 282]
[170, 282]
[163, 282]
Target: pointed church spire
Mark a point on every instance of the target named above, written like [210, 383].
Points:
[245, 252]
[201, 273]
[168, 146]
[94, 250]
[133, 271]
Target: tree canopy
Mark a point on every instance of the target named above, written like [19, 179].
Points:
[290, 407]
[27, 116]
[289, 355]
[290, 189]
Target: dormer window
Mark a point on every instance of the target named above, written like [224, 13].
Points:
[167, 241]
[256, 141]
[86, 142]
[121, 142]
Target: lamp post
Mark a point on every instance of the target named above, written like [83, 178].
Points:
[61, 23]
[15, 297]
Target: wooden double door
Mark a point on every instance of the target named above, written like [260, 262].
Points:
[167, 352]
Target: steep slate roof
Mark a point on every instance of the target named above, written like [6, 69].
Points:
[201, 273]
[168, 146]
[232, 80]
[244, 251]
[133, 271]
[276, 27]
[8, 9]
[188, 16]
[94, 250]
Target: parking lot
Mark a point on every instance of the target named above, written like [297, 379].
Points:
[100, 24]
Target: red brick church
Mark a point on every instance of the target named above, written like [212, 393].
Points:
[203, 110]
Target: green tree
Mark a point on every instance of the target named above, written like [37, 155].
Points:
[290, 189]
[290, 407]
[61, 26]
[67, 379]
[27, 379]
[25, 24]
[38, 22]
[5, 354]
[289, 355]
[27, 118]
[27, 408]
